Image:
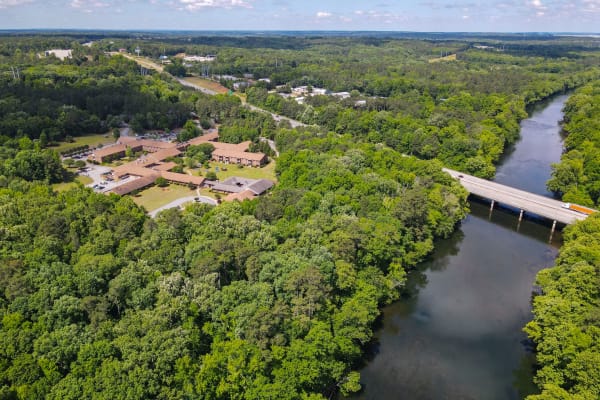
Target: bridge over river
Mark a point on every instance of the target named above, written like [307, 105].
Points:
[519, 199]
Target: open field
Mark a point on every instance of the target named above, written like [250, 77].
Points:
[147, 63]
[143, 61]
[90, 140]
[266, 172]
[155, 197]
[64, 186]
[451, 57]
[207, 84]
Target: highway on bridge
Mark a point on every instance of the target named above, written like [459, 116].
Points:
[519, 199]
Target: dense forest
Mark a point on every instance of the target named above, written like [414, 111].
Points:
[56, 100]
[273, 298]
[566, 327]
[463, 113]
[577, 176]
[266, 299]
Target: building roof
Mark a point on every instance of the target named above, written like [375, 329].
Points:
[60, 53]
[149, 144]
[245, 195]
[232, 146]
[260, 186]
[209, 137]
[108, 151]
[223, 187]
[162, 155]
[135, 184]
[236, 184]
[163, 166]
[239, 154]
[238, 181]
[132, 169]
[182, 178]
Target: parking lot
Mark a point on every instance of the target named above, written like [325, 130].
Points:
[100, 183]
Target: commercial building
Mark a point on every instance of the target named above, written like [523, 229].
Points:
[155, 163]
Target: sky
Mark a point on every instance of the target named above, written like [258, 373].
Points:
[349, 15]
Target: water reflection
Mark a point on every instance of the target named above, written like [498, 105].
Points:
[457, 332]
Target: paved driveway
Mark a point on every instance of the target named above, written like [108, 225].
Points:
[182, 201]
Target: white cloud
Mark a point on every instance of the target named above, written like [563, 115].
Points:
[193, 5]
[591, 6]
[384, 16]
[323, 14]
[87, 5]
[538, 5]
[13, 3]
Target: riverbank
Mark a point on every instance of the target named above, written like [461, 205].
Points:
[457, 332]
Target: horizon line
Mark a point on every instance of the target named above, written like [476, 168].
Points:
[143, 30]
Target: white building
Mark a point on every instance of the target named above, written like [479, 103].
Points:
[59, 53]
[341, 95]
[208, 58]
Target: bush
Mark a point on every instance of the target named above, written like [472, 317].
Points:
[161, 182]
[211, 176]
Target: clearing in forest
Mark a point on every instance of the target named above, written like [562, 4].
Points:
[451, 57]
[90, 140]
[207, 84]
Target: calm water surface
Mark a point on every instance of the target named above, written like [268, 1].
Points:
[457, 334]
[526, 164]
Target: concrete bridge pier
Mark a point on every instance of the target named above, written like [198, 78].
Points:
[521, 215]
[552, 231]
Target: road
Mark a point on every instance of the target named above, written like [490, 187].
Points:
[271, 144]
[276, 117]
[182, 201]
[520, 199]
[146, 63]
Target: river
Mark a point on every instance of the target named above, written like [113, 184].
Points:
[457, 332]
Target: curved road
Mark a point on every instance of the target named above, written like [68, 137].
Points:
[181, 201]
[276, 117]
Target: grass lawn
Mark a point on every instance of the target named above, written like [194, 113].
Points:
[206, 192]
[64, 186]
[207, 84]
[156, 197]
[266, 172]
[90, 140]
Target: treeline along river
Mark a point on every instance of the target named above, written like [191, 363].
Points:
[457, 333]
